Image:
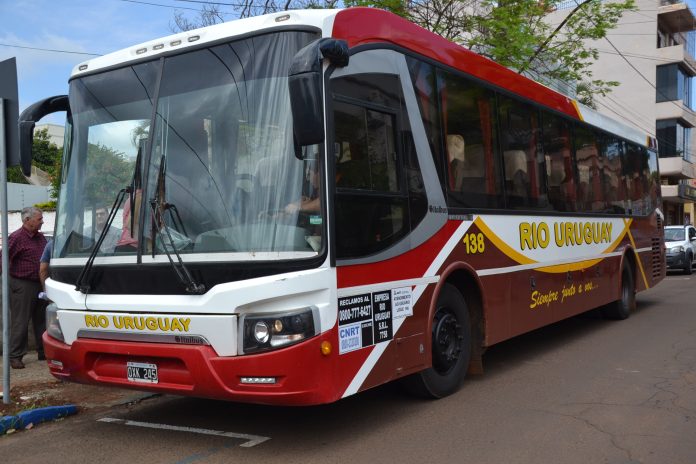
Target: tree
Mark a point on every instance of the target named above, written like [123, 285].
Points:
[511, 33]
[209, 14]
[108, 171]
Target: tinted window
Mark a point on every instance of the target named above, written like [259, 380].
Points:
[590, 191]
[425, 86]
[612, 175]
[524, 173]
[473, 170]
[560, 175]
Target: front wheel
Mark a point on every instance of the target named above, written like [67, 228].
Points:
[451, 347]
[626, 304]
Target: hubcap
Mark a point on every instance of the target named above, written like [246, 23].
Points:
[447, 341]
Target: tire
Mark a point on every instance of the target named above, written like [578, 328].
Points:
[689, 263]
[626, 304]
[451, 348]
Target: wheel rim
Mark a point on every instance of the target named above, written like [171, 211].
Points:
[447, 341]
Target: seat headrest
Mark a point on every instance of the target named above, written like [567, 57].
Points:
[515, 160]
[455, 147]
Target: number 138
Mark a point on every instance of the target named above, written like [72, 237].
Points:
[474, 243]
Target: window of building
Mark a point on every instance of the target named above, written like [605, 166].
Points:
[673, 139]
[673, 83]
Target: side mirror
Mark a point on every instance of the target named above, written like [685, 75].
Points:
[27, 121]
[305, 86]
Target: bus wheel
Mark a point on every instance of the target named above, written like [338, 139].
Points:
[626, 304]
[451, 347]
[687, 268]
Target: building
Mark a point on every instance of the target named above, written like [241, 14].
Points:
[56, 133]
[652, 54]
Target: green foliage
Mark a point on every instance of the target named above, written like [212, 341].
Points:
[48, 206]
[512, 33]
[398, 7]
[14, 175]
[108, 171]
[45, 153]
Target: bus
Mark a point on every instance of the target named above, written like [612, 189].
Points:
[297, 207]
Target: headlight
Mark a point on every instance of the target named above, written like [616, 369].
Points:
[52, 323]
[265, 332]
[676, 249]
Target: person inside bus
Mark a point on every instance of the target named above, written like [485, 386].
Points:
[455, 151]
[112, 236]
[309, 201]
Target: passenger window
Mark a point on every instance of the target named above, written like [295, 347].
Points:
[425, 84]
[560, 176]
[590, 192]
[612, 175]
[468, 123]
[519, 136]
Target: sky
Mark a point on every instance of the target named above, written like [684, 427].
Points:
[82, 27]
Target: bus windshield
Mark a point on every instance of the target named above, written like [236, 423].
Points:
[203, 142]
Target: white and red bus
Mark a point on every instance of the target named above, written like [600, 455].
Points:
[308, 204]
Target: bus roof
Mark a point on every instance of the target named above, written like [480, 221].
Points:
[320, 19]
[365, 26]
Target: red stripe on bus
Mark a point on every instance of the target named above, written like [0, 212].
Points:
[360, 26]
[410, 265]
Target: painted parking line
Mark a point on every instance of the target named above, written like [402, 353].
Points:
[251, 440]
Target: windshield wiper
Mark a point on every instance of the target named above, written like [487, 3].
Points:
[157, 204]
[82, 284]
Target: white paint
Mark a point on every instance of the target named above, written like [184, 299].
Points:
[251, 440]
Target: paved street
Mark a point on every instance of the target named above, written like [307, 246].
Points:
[585, 390]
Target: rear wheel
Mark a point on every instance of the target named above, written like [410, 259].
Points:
[687, 267]
[626, 304]
[451, 347]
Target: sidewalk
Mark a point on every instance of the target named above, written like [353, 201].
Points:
[34, 387]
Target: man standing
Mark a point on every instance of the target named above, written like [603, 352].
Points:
[25, 246]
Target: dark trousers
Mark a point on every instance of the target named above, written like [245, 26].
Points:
[24, 306]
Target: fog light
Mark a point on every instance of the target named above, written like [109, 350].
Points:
[52, 323]
[56, 364]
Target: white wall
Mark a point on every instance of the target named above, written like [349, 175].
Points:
[21, 195]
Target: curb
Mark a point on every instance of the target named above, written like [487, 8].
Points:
[35, 416]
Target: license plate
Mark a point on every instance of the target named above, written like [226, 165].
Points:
[142, 372]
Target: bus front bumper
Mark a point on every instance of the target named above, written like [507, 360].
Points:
[301, 374]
